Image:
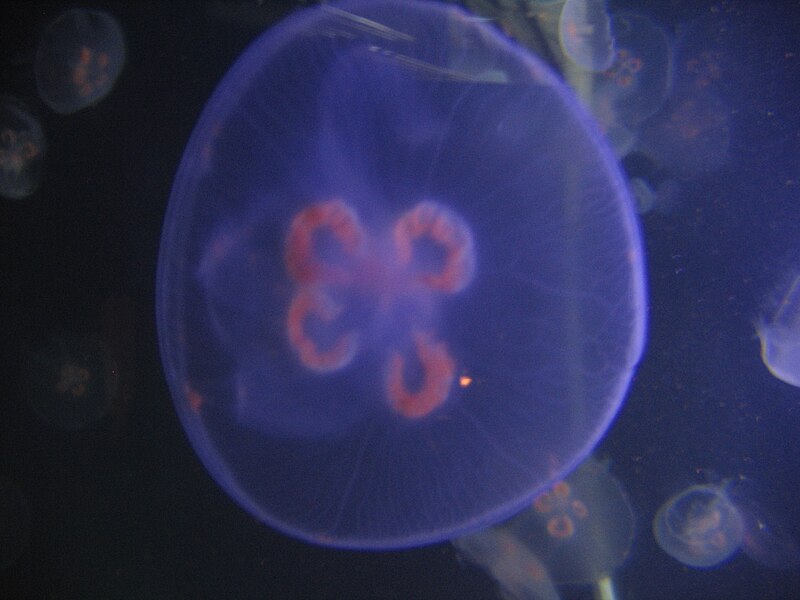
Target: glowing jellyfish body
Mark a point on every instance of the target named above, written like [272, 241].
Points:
[584, 31]
[396, 297]
[780, 337]
[699, 527]
[78, 59]
[22, 148]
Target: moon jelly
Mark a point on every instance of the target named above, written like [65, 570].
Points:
[401, 283]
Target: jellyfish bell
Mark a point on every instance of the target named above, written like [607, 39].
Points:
[390, 309]
[700, 527]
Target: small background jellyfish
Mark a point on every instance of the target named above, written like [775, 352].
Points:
[705, 525]
[22, 149]
[579, 531]
[72, 381]
[79, 57]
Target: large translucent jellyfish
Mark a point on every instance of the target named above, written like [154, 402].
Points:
[579, 531]
[396, 297]
[79, 57]
[584, 31]
[780, 336]
[22, 149]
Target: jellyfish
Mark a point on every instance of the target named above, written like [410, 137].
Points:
[780, 337]
[690, 136]
[766, 538]
[516, 569]
[704, 525]
[71, 381]
[396, 298]
[579, 530]
[638, 81]
[22, 148]
[78, 59]
[699, 527]
[584, 31]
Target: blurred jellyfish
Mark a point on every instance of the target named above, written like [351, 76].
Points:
[635, 86]
[15, 523]
[581, 529]
[392, 245]
[22, 148]
[780, 336]
[71, 381]
[79, 57]
[690, 136]
[584, 31]
[700, 526]
[516, 569]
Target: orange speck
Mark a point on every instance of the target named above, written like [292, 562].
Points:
[465, 381]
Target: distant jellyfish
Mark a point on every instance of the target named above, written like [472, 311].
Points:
[510, 562]
[580, 530]
[638, 81]
[22, 149]
[779, 333]
[585, 34]
[15, 523]
[700, 526]
[401, 284]
[71, 381]
[690, 136]
[78, 59]
[582, 527]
